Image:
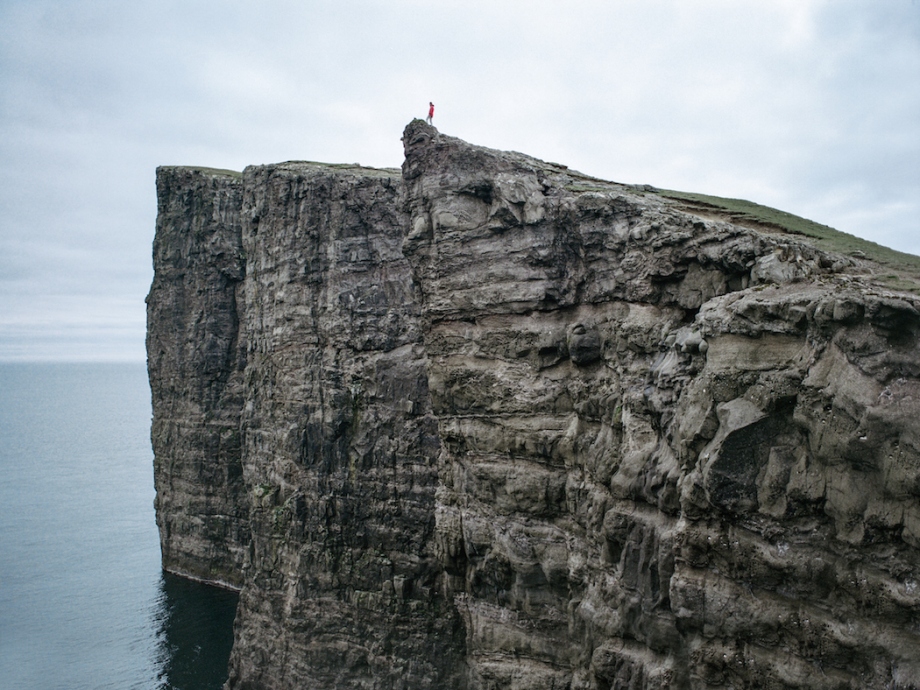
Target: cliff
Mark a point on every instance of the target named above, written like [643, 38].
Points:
[195, 359]
[496, 424]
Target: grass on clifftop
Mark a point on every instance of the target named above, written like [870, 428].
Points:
[214, 171]
[896, 270]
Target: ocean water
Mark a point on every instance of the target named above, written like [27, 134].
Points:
[83, 601]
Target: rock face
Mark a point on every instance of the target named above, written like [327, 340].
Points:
[195, 359]
[340, 456]
[507, 426]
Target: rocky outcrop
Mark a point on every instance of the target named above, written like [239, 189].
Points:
[343, 589]
[679, 453]
[508, 426]
[195, 359]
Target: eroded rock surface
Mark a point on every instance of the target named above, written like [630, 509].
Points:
[678, 453]
[508, 426]
[343, 589]
[195, 359]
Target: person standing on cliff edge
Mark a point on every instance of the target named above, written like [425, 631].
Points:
[430, 112]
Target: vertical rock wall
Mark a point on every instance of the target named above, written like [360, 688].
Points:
[679, 453]
[342, 589]
[195, 359]
[496, 424]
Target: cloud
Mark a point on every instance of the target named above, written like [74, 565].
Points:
[807, 105]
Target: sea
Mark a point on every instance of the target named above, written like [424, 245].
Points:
[84, 603]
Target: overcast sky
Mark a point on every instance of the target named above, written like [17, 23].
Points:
[811, 106]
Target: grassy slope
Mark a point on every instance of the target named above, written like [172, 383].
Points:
[213, 171]
[893, 269]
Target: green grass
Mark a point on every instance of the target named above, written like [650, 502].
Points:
[895, 270]
[373, 172]
[357, 167]
[214, 171]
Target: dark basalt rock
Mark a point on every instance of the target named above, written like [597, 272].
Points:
[195, 359]
[501, 425]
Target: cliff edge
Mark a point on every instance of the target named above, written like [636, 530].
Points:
[492, 423]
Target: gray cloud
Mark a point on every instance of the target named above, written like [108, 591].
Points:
[807, 105]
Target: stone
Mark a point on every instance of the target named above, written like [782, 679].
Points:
[343, 585]
[504, 425]
[196, 355]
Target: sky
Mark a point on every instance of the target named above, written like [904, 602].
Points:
[810, 106]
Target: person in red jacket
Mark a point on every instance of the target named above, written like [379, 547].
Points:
[430, 112]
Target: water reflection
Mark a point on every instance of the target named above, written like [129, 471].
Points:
[195, 633]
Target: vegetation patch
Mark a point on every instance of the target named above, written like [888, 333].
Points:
[215, 171]
[895, 270]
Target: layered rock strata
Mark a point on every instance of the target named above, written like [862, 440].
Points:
[195, 360]
[678, 453]
[343, 589]
[507, 426]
